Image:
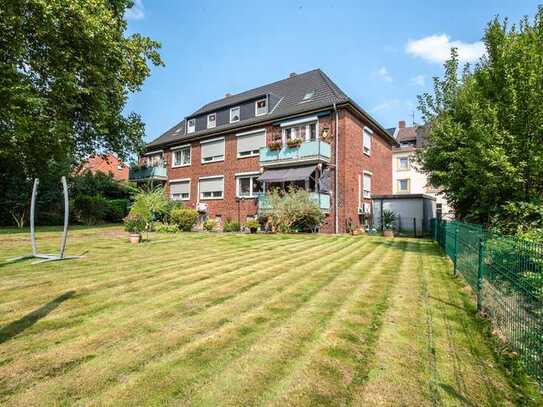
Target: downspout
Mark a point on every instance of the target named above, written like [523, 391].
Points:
[336, 204]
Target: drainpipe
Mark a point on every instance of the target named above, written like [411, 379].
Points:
[336, 172]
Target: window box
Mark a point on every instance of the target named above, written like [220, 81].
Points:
[275, 145]
[294, 142]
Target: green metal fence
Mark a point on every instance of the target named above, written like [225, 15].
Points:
[506, 275]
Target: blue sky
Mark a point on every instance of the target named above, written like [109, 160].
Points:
[382, 54]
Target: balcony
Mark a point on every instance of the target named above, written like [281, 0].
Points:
[308, 151]
[323, 200]
[147, 173]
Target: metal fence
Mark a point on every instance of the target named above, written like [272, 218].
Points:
[506, 274]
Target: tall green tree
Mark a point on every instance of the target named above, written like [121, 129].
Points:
[484, 135]
[67, 68]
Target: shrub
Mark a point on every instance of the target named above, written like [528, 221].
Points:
[91, 210]
[252, 224]
[210, 225]
[231, 226]
[293, 210]
[134, 223]
[118, 209]
[184, 218]
[165, 227]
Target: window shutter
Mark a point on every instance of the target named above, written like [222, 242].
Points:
[213, 148]
[182, 187]
[211, 184]
[251, 142]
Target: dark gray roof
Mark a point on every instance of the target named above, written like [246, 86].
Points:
[391, 131]
[290, 92]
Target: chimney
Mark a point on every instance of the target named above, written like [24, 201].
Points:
[227, 95]
[401, 124]
[292, 75]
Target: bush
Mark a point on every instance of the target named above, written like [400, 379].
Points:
[252, 224]
[210, 225]
[293, 210]
[134, 222]
[184, 218]
[91, 210]
[519, 218]
[165, 227]
[164, 214]
[118, 209]
[231, 226]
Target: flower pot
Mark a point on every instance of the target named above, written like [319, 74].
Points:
[388, 233]
[253, 230]
[134, 238]
[294, 143]
[274, 146]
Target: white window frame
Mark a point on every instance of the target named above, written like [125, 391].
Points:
[211, 124]
[191, 129]
[180, 180]
[364, 190]
[201, 198]
[214, 160]
[400, 168]
[256, 107]
[239, 114]
[367, 149]
[251, 176]
[408, 185]
[248, 133]
[294, 128]
[175, 149]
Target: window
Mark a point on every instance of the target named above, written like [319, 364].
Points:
[305, 132]
[403, 163]
[309, 96]
[249, 144]
[261, 107]
[191, 125]
[211, 120]
[180, 189]
[366, 141]
[154, 160]
[403, 185]
[248, 186]
[212, 187]
[234, 114]
[181, 156]
[212, 150]
[366, 191]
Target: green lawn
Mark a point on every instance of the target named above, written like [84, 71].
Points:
[217, 319]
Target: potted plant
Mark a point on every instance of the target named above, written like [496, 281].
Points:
[134, 225]
[253, 225]
[294, 142]
[388, 222]
[275, 145]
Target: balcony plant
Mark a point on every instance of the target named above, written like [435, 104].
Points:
[275, 145]
[294, 142]
[389, 217]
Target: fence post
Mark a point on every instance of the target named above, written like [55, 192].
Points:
[415, 227]
[480, 272]
[455, 247]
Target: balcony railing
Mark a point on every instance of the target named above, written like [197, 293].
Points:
[147, 173]
[307, 151]
[323, 200]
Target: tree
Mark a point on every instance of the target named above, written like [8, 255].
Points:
[66, 70]
[484, 133]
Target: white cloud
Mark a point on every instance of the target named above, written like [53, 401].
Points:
[136, 12]
[437, 48]
[387, 104]
[418, 80]
[383, 74]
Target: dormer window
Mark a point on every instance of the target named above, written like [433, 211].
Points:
[261, 107]
[211, 120]
[191, 125]
[234, 114]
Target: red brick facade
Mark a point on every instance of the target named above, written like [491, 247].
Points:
[352, 163]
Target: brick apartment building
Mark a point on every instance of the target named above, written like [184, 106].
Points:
[302, 131]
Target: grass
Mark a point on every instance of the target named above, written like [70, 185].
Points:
[218, 319]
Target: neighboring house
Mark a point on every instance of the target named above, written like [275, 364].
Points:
[223, 158]
[106, 163]
[406, 175]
